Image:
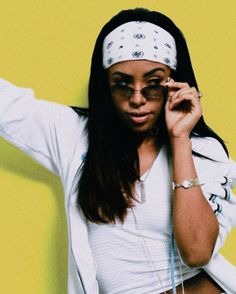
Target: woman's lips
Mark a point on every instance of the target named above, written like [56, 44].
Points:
[139, 118]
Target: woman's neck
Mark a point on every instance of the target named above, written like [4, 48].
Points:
[147, 153]
[147, 145]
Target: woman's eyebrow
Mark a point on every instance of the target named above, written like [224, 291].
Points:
[122, 75]
[150, 73]
[129, 77]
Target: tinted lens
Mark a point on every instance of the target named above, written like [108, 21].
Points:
[153, 92]
[150, 92]
[122, 91]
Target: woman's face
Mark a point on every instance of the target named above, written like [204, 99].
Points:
[134, 109]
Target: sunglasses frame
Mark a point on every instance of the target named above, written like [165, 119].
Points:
[130, 91]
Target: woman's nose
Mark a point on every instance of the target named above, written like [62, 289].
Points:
[137, 99]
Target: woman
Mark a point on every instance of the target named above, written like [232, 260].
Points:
[146, 181]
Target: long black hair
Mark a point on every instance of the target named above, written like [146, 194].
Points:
[111, 166]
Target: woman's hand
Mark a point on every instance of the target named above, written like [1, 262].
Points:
[182, 110]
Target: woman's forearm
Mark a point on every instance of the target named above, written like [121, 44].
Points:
[194, 223]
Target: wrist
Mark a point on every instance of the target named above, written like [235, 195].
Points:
[181, 148]
[187, 183]
[183, 140]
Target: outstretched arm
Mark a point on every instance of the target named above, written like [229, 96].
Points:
[44, 130]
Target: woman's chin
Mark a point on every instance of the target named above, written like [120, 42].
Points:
[141, 129]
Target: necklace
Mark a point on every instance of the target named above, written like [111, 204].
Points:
[141, 186]
[141, 183]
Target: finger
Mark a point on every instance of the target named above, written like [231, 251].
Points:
[175, 88]
[199, 95]
[172, 84]
[168, 103]
[191, 92]
[194, 101]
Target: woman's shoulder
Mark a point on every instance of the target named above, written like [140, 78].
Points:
[81, 111]
[209, 147]
[70, 115]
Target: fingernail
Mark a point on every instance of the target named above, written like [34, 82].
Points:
[168, 80]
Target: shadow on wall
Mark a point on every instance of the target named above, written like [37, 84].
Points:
[16, 162]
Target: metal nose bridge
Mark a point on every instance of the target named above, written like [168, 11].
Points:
[138, 90]
[135, 91]
[137, 100]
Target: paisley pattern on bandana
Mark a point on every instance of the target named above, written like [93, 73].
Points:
[139, 40]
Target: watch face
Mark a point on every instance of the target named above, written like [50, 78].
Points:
[186, 184]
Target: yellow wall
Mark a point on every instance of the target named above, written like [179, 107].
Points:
[46, 45]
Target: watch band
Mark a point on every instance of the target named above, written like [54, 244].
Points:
[187, 184]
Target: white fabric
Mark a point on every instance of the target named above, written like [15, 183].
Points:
[141, 246]
[136, 40]
[37, 128]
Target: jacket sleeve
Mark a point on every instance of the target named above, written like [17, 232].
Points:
[44, 130]
[218, 177]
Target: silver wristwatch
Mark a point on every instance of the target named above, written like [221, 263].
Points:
[187, 184]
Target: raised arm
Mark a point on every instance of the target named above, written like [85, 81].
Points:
[194, 223]
[46, 131]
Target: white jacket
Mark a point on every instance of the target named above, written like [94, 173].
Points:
[54, 135]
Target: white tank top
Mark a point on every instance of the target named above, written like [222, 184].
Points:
[134, 257]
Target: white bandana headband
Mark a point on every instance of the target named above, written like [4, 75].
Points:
[137, 40]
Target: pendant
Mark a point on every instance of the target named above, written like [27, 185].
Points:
[142, 192]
